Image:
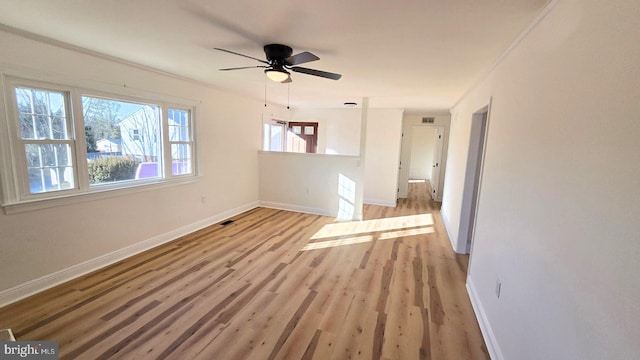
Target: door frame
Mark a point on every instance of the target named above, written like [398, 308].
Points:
[473, 179]
[402, 181]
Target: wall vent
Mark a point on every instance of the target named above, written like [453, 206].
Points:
[225, 223]
[428, 120]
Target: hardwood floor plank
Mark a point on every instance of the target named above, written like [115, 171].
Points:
[272, 285]
[291, 325]
[311, 348]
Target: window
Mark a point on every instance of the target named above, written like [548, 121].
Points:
[181, 141]
[104, 142]
[134, 134]
[45, 139]
[301, 137]
[135, 156]
[274, 135]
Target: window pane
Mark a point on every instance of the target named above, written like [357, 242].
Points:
[58, 127]
[123, 140]
[26, 126]
[43, 128]
[180, 159]
[23, 100]
[276, 138]
[265, 137]
[178, 133]
[40, 155]
[178, 125]
[39, 102]
[143, 141]
[102, 118]
[56, 104]
[42, 114]
[50, 167]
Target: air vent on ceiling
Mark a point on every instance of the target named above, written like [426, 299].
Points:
[428, 120]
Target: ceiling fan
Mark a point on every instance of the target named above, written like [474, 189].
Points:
[280, 61]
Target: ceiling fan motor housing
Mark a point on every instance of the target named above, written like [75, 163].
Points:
[276, 53]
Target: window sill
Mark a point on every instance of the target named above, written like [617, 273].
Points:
[93, 195]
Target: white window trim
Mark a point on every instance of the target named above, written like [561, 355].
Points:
[167, 154]
[14, 200]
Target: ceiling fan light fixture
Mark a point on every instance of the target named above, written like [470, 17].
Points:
[277, 75]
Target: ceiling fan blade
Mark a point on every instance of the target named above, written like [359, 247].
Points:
[244, 67]
[324, 74]
[247, 56]
[303, 57]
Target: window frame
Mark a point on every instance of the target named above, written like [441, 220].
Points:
[16, 192]
[168, 158]
[269, 122]
[21, 176]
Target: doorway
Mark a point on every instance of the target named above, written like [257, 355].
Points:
[472, 181]
[423, 162]
[302, 137]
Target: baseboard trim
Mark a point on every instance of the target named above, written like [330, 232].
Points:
[297, 208]
[32, 287]
[485, 327]
[380, 202]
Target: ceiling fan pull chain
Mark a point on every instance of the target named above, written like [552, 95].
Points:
[288, 95]
[265, 91]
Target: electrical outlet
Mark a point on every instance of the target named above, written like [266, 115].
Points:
[203, 199]
[498, 288]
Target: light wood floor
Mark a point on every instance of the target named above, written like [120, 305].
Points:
[272, 285]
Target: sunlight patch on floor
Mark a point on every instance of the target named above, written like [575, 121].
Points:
[358, 232]
[368, 238]
[338, 242]
[408, 232]
[367, 226]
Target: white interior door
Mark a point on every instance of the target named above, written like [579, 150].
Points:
[437, 161]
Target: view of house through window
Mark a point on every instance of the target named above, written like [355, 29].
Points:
[114, 140]
[123, 140]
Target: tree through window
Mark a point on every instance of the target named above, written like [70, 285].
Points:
[113, 140]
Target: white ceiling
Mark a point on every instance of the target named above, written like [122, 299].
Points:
[412, 54]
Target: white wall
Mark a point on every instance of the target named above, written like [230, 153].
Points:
[422, 152]
[382, 154]
[557, 219]
[338, 129]
[413, 121]
[312, 183]
[47, 244]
